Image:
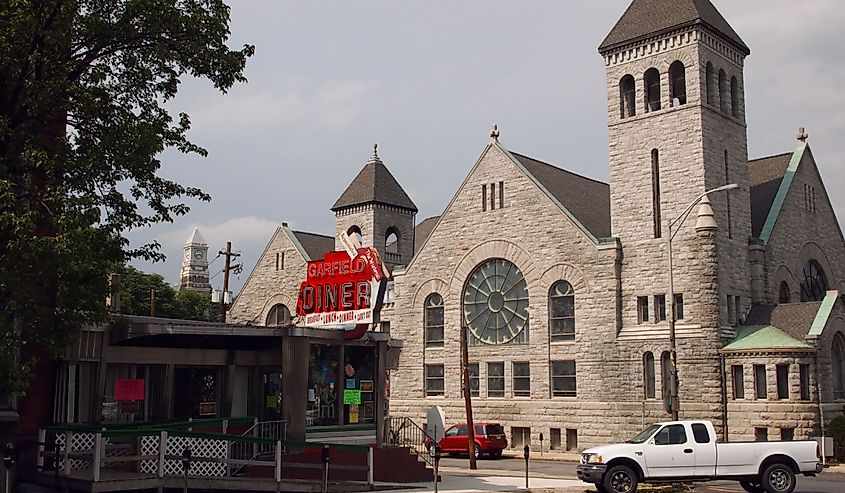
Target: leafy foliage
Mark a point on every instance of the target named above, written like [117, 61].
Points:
[836, 429]
[83, 88]
[135, 293]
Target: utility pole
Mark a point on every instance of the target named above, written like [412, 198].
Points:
[152, 302]
[229, 267]
[467, 398]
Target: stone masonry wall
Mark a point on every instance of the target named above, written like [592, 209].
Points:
[801, 235]
[266, 286]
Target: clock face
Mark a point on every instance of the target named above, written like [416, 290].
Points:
[495, 302]
[198, 254]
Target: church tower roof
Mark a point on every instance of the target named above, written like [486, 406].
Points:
[374, 184]
[196, 238]
[645, 18]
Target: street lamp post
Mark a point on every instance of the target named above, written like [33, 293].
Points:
[705, 222]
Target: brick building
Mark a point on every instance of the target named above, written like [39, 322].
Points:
[561, 281]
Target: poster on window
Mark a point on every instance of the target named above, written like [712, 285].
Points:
[353, 413]
[129, 389]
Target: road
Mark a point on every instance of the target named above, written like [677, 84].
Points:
[827, 482]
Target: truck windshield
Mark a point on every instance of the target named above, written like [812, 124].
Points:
[644, 435]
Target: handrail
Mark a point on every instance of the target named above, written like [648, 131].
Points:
[404, 432]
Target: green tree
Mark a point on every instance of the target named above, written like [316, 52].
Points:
[135, 287]
[83, 88]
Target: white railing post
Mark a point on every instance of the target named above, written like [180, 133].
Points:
[66, 451]
[162, 451]
[225, 425]
[278, 461]
[370, 466]
[98, 455]
[42, 439]
[254, 435]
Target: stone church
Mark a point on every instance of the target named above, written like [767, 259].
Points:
[562, 282]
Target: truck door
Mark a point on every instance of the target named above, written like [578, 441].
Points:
[669, 454]
[704, 450]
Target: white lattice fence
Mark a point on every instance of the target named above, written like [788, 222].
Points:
[200, 447]
[149, 446]
[78, 442]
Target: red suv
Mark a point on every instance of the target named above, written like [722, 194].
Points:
[489, 439]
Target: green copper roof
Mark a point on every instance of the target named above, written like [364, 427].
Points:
[823, 314]
[763, 337]
[777, 204]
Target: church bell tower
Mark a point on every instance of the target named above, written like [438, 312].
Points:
[194, 274]
[676, 126]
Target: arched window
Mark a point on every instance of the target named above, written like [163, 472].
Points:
[627, 97]
[724, 92]
[666, 374]
[391, 240]
[710, 84]
[648, 375]
[655, 193]
[677, 83]
[356, 232]
[734, 97]
[279, 315]
[837, 362]
[433, 320]
[651, 82]
[814, 283]
[561, 312]
[783, 293]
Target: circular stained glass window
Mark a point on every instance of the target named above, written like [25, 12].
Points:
[495, 302]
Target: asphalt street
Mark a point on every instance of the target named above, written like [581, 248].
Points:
[826, 482]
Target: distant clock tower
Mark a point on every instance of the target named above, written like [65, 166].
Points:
[195, 264]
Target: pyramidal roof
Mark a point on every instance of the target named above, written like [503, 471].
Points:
[374, 184]
[650, 17]
[196, 238]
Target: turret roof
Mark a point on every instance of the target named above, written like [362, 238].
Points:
[374, 183]
[645, 18]
[196, 238]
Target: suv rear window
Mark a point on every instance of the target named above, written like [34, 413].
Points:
[495, 430]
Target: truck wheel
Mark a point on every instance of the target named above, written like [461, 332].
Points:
[778, 478]
[751, 487]
[621, 479]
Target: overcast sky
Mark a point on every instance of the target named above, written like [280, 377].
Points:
[426, 79]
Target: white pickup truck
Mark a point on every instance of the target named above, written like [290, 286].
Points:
[687, 451]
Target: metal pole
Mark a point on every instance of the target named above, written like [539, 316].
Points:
[525, 451]
[673, 383]
[325, 458]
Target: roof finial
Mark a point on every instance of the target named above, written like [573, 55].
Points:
[375, 150]
[494, 134]
[802, 135]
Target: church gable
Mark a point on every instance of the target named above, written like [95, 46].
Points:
[500, 184]
[276, 277]
[801, 228]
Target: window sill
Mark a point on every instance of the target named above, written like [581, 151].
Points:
[565, 398]
[562, 343]
[436, 396]
[522, 397]
[433, 347]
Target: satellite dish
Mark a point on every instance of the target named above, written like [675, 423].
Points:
[435, 423]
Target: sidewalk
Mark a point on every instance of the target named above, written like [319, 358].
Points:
[471, 484]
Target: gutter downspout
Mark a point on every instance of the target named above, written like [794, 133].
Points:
[724, 392]
[819, 402]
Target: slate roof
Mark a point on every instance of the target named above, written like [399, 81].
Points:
[764, 178]
[763, 337]
[645, 18]
[315, 245]
[374, 183]
[422, 231]
[586, 199]
[795, 319]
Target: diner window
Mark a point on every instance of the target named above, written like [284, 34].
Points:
[659, 307]
[642, 309]
[804, 381]
[783, 381]
[679, 306]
